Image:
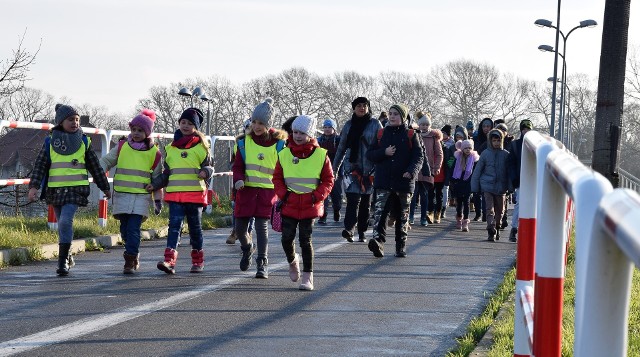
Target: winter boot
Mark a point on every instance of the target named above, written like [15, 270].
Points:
[505, 221]
[376, 247]
[436, 217]
[63, 256]
[70, 260]
[262, 272]
[443, 213]
[400, 249]
[491, 232]
[336, 215]
[130, 263]
[477, 217]
[458, 222]
[411, 220]
[497, 233]
[232, 237]
[513, 235]
[361, 237]
[169, 264]
[347, 235]
[197, 261]
[307, 281]
[323, 219]
[294, 268]
[484, 216]
[247, 254]
[465, 225]
[430, 217]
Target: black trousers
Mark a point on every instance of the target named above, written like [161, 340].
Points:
[289, 226]
[357, 212]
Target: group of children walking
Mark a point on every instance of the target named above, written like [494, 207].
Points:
[272, 171]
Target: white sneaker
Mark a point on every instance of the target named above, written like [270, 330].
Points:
[294, 268]
[307, 281]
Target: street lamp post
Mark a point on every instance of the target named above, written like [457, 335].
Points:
[206, 99]
[546, 23]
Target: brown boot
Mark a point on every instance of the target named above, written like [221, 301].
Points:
[436, 216]
[130, 263]
[430, 217]
[232, 237]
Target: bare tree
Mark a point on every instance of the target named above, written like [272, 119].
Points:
[539, 107]
[28, 104]
[583, 113]
[165, 102]
[512, 100]
[468, 87]
[633, 75]
[340, 89]
[15, 69]
[413, 90]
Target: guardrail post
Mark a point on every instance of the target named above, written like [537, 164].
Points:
[52, 221]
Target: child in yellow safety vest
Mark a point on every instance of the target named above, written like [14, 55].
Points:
[138, 161]
[187, 169]
[303, 178]
[61, 171]
[252, 168]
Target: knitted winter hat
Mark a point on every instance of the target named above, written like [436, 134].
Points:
[526, 124]
[360, 100]
[193, 115]
[330, 123]
[144, 120]
[446, 129]
[463, 144]
[423, 118]
[402, 109]
[263, 112]
[305, 124]
[469, 125]
[64, 111]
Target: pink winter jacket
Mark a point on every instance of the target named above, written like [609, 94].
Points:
[431, 141]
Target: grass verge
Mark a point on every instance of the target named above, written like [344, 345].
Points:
[20, 231]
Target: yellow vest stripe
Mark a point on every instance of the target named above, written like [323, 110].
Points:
[129, 184]
[186, 171]
[64, 178]
[264, 170]
[134, 172]
[260, 162]
[258, 180]
[184, 166]
[63, 172]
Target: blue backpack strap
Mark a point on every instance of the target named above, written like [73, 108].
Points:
[242, 150]
[280, 145]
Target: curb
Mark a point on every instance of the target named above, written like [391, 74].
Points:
[486, 342]
[50, 251]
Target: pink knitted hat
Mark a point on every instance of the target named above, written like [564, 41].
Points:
[144, 120]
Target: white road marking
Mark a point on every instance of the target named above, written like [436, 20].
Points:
[102, 321]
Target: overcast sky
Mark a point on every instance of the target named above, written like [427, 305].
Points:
[111, 52]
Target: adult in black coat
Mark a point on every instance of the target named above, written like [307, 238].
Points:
[515, 160]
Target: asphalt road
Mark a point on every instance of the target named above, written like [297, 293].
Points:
[361, 305]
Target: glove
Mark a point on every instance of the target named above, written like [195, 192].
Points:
[238, 185]
[157, 207]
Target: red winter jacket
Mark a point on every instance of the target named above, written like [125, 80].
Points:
[254, 201]
[305, 205]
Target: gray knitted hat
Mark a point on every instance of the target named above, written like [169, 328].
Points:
[64, 111]
[263, 112]
[305, 124]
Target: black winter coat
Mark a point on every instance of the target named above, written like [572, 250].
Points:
[407, 158]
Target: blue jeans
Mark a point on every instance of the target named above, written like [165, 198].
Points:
[130, 232]
[64, 215]
[177, 213]
[421, 193]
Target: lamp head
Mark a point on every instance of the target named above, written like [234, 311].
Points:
[546, 48]
[204, 98]
[543, 23]
[551, 79]
[588, 23]
[197, 91]
[185, 92]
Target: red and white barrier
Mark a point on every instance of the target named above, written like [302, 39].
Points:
[106, 139]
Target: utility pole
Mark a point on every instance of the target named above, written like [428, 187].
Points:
[610, 102]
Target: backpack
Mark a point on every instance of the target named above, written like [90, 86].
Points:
[410, 133]
[426, 169]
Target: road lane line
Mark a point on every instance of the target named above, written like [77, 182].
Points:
[100, 322]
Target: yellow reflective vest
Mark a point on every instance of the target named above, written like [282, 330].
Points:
[68, 170]
[260, 162]
[302, 175]
[134, 169]
[184, 166]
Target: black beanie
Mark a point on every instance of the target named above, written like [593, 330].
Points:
[360, 100]
[446, 129]
[193, 115]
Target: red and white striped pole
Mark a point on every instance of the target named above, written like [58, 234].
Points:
[52, 221]
[102, 212]
[535, 145]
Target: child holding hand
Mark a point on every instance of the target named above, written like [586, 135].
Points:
[138, 161]
[61, 170]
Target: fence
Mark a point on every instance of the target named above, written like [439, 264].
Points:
[557, 185]
[221, 151]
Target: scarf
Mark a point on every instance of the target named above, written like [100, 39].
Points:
[184, 142]
[468, 169]
[146, 144]
[66, 143]
[355, 133]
